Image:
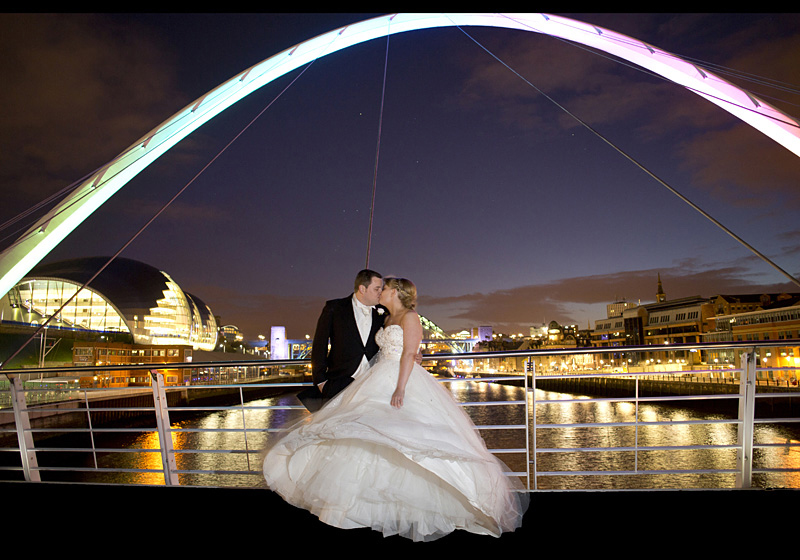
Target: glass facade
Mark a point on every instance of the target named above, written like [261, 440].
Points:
[204, 326]
[174, 318]
[32, 302]
[169, 322]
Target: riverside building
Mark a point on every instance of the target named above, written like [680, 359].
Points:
[696, 319]
[774, 317]
[128, 297]
[130, 313]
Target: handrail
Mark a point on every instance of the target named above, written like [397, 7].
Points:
[434, 357]
[172, 470]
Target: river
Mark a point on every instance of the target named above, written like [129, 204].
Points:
[222, 431]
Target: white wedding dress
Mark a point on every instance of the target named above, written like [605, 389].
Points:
[421, 471]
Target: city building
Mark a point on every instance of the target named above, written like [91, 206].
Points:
[696, 319]
[559, 337]
[128, 297]
[759, 318]
[665, 322]
[613, 330]
[98, 353]
[670, 322]
[230, 338]
[211, 366]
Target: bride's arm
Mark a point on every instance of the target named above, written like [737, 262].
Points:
[412, 336]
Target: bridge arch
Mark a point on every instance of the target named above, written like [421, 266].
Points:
[51, 229]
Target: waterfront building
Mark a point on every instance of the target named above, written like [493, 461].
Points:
[617, 308]
[128, 297]
[230, 333]
[690, 320]
[278, 345]
[665, 322]
[567, 336]
[726, 304]
[612, 331]
[483, 333]
[774, 317]
[674, 322]
[111, 353]
[553, 336]
[98, 353]
[497, 342]
[538, 332]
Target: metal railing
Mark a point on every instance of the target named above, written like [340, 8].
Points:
[36, 432]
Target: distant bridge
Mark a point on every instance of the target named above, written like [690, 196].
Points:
[301, 348]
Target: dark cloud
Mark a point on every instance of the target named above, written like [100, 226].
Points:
[517, 309]
[587, 85]
[790, 243]
[718, 150]
[734, 178]
[79, 89]
[514, 309]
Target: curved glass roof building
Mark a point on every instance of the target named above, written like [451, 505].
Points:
[128, 296]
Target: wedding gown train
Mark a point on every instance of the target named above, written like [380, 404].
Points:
[421, 471]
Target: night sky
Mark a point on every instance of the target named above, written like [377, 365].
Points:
[499, 207]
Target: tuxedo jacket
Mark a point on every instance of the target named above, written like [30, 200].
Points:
[337, 326]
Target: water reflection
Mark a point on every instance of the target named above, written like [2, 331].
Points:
[231, 440]
[605, 458]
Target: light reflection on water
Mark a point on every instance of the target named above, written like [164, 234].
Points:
[225, 432]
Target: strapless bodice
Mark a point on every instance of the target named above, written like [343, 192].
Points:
[390, 341]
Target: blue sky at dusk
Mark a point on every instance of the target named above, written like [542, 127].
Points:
[499, 207]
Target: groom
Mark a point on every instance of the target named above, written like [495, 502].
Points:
[349, 325]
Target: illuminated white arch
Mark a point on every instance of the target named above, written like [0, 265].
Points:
[18, 259]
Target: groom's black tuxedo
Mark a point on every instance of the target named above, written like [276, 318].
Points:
[337, 325]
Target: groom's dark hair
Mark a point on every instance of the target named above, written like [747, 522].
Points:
[364, 278]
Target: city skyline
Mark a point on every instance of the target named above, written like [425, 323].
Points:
[500, 209]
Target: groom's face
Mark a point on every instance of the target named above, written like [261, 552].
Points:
[371, 295]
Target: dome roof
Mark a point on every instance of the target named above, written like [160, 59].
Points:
[131, 286]
[155, 310]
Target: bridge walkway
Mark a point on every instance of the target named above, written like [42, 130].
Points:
[241, 521]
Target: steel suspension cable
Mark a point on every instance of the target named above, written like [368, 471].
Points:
[377, 152]
[639, 165]
[150, 221]
[776, 84]
[38, 206]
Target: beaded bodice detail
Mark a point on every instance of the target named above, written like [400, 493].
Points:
[390, 341]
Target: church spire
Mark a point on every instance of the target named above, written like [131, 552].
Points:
[660, 295]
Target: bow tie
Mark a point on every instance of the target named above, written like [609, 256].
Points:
[367, 311]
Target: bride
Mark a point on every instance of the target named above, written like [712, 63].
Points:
[394, 451]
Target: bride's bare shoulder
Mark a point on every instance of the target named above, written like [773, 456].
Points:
[410, 319]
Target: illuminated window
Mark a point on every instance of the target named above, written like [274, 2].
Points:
[87, 311]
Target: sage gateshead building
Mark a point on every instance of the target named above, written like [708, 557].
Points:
[128, 296]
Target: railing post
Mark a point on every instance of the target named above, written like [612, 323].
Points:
[532, 433]
[747, 405]
[244, 428]
[22, 421]
[164, 431]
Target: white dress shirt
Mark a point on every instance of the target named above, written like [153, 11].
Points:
[363, 314]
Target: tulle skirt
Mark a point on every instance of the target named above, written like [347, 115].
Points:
[421, 471]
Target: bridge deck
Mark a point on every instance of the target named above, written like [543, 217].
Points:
[198, 520]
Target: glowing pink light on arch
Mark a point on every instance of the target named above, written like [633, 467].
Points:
[35, 244]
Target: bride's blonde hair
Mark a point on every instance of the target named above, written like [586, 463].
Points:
[406, 291]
